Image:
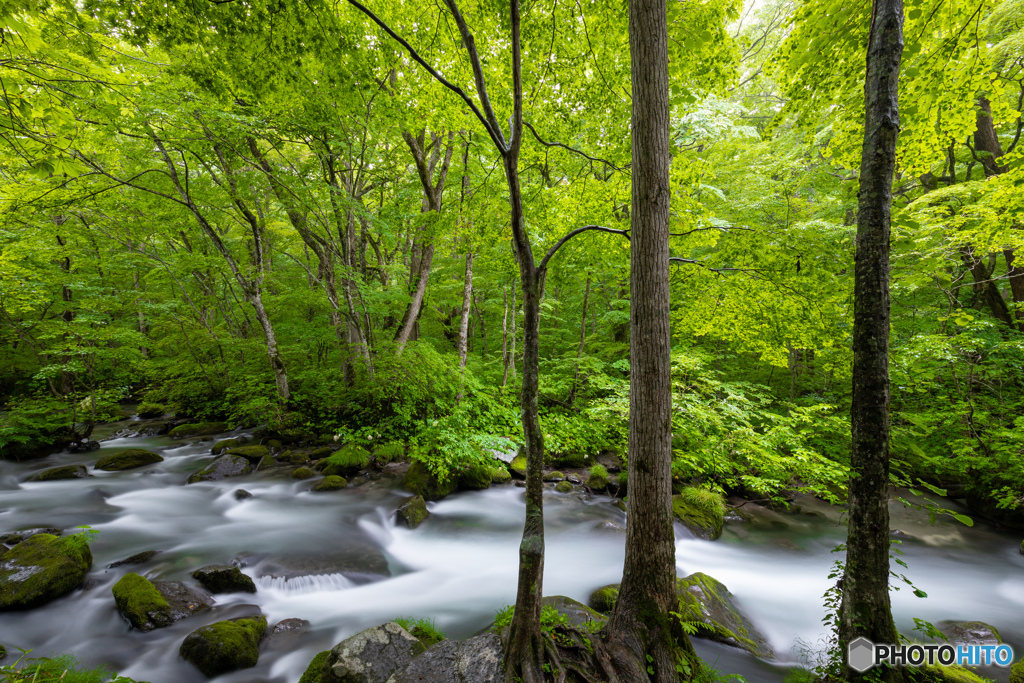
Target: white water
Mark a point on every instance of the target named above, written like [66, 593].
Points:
[458, 568]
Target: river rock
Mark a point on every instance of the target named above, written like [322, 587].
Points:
[40, 569]
[303, 473]
[413, 511]
[127, 460]
[314, 673]
[1017, 672]
[221, 578]
[603, 599]
[154, 604]
[422, 482]
[253, 454]
[228, 444]
[357, 558]
[223, 467]
[58, 473]
[555, 476]
[285, 634]
[137, 558]
[224, 646]
[198, 429]
[574, 611]
[701, 511]
[500, 475]
[969, 633]
[476, 660]
[15, 537]
[564, 486]
[331, 483]
[705, 600]
[371, 656]
[518, 466]
[598, 479]
[475, 478]
[242, 494]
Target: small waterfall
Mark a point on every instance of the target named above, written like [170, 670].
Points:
[305, 584]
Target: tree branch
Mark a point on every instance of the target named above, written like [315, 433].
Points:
[558, 245]
[678, 259]
[573, 149]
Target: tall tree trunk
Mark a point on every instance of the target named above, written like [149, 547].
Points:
[865, 609]
[641, 631]
[467, 301]
[571, 400]
[985, 285]
[1016, 276]
[504, 340]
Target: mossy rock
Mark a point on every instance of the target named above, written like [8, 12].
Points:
[275, 444]
[224, 646]
[331, 483]
[346, 462]
[225, 445]
[59, 473]
[266, 462]
[518, 465]
[303, 473]
[389, 452]
[222, 578]
[251, 453]
[139, 601]
[1017, 672]
[500, 475]
[701, 511]
[319, 453]
[223, 467]
[314, 672]
[413, 511]
[598, 479]
[603, 599]
[198, 429]
[935, 673]
[575, 612]
[475, 478]
[705, 600]
[554, 476]
[298, 459]
[569, 460]
[564, 486]
[42, 568]
[127, 460]
[150, 410]
[422, 482]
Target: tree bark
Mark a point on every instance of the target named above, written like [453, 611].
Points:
[467, 301]
[865, 609]
[1016, 276]
[571, 400]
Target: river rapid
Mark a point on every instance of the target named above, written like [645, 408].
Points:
[459, 567]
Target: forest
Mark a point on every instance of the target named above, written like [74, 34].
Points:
[679, 268]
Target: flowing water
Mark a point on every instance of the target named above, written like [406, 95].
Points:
[317, 556]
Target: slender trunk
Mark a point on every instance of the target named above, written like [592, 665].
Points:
[865, 610]
[504, 340]
[1015, 274]
[641, 632]
[511, 368]
[571, 400]
[276, 363]
[467, 300]
[985, 285]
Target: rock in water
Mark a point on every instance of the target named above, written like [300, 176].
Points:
[705, 600]
[222, 578]
[148, 605]
[702, 512]
[137, 558]
[477, 660]
[314, 673]
[603, 599]
[127, 460]
[332, 483]
[40, 569]
[969, 633]
[371, 656]
[223, 467]
[422, 482]
[58, 473]
[224, 646]
[198, 429]
[413, 511]
[251, 453]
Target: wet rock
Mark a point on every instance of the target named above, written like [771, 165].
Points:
[242, 494]
[154, 604]
[266, 463]
[356, 558]
[137, 558]
[314, 673]
[253, 454]
[563, 486]
[969, 633]
[303, 473]
[293, 625]
[413, 511]
[40, 569]
[598, 478]
[518, 466]
[500, 475]
[475, 478]
[701, 511]
[127, 460]
[520, 483]
[476, 660]
[15, 537]
[603, 599]
[331, 483]
[286, 634]
[221, 578]
[198, 429]
[224, 646]
[703, 599]
[58, 473]
[574, 611]
[223, 467]
[226, 445]
[554, 476]
[607, 527]
[423, 483]
[371, 656]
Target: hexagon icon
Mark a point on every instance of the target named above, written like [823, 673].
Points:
[861, 655]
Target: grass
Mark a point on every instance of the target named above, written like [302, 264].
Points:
[425, 630]
[64, 668]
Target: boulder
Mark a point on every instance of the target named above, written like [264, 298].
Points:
[554, 476]
[1017, 672]
[476, 660]
[225, 645]
[500, 475]
[58, 473]
[969, 633]
[371, 656]
[422, 482]
[223, 467]
[707, 601]
[413, 511]
[225, 445]
[303, 473]
[137, 558]
[574, 611]
[242, 494]
[42, 568]
[265, 463]
[15, 537]
[563, 486]
[148, 605]
[198, 429]
[475, 478]
[603, 599]
[127, 460]
[701, 511]
[518, 466]
[253, 454]
[314, 673]
[331, 483]
[222, 578]
[598, 479]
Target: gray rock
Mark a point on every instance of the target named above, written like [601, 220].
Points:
[706, 600]
[242, 494]
[371, 656]
[221, 578]
[413, 511]
[970, 633]
[576, 612]
[223, 467]
[137, 558]
[16, 537]
[58, 473]
[477, 660]
[286, 633]
[356, 558]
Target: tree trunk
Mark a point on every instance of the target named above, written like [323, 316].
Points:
[1015, 274]
[467, 300]
[985, 284]
[865, 609]
[504, 340]
[985, 139]
[571, 400]
[641, 631]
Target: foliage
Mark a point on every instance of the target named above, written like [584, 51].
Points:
[424, 629]
[64, 668]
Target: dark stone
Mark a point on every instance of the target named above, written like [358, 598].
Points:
[564, 486]
[293, 625]
[576, 612]
[422, 482]
[58, 473]
[371, 656]
[220, 578]
[475, 478]
[127, 460]
[303, 473]
[224, 646]
[253, 454]
[154, 604]
[242, 494]
[224, 445]
[331, 483]
[413, 511]
[476, 660]
[137, 558]
[223, 467]
[286, 634]
[40, 569]
[970, 633]
[355, 558]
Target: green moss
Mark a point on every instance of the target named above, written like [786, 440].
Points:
[346, 462]
[389, 452]
[275, 444]
[704, 600]
[224, 646]
[423, 483]
[413, 511]
[58, 473]
[331, 483]
[500, 475]
[1017, 672]
[554, 476]
[569, 460]
[251, 453]
[424, 630]
[319, 453]
[266, 462]
[702, 511]
[604, 598]
[149, 410]
[303, 473]
[563, 486]
[127, 460]
[475, 478]
[314, 672]
[518, 465]
[954, 674]
[598, 478]
[198, 429]
[42, 568]
[224, 445]
[141, 603]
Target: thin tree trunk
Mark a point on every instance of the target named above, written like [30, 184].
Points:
[571, 400]
[1015, 274]
[504, 340]
[865, 609]
[467, 300]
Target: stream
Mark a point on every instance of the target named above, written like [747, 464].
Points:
[459, 567]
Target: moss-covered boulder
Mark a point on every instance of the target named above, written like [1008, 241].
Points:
[603, 599]
[58, 473]
[251, 453]
[226, 445]
[499, 475]
[554, 476]
[198, 429]
[148, 410]
[222, 578]
[518, 466]
[569, 460]
[389, 452]
[969, 633]
[224, 646]
[275, 444]
[563, 486]
[701, 511]
[128, 460]
[1017, 672]
[148, 605]
[371, 656]
[15, 537]
[319, 453]
[421, 481]
[315, 671]
[575, 612]
[413, 511]
[266, 462]
[42, 568]
[346, 462]
[303, 473]
[331, 483]
[955, 674]
[475, 478]
[598, 478]
[705, 600]
[223, 467]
